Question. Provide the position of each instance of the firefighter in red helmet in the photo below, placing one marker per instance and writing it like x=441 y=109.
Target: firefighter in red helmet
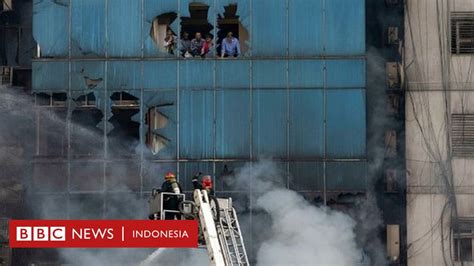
x=206 y=183
x=171 y=202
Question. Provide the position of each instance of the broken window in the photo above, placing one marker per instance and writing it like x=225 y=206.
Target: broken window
x=156 y=120
x=86 y=137
x=392 y=33
x=162 y=34
x=6 y=5
x=124 y=136
x=391 y=180
x=393 y=75
x=196 y=38
x=393 y=242
x=463 y=236
x=6 y=77
x=230 y=26
x=393 y=103
x=51 y=137
x=462 y=32
x=390 y=143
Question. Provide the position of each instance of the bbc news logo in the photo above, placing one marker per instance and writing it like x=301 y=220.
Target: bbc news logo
x=40 y=233
x=103 y=233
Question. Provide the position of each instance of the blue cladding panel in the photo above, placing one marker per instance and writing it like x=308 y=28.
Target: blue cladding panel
x=233 y=124
x=124 y=28
x=306 y=123
x=306 y=176
x=306 y=73
x=152 y=9
x=196 y=124
x=160 y=74
x=270 y=28
x=50 y=26
x=87 y=75
x=306 y=20
x=124 y=75
x=345 y=73
x=233 y=74
x=346 y=176
x=345 y=27
x=196 y=74
x=88 y=28
x=50 y=76
x=269 y=123
x=346 y=123
x=269 y=74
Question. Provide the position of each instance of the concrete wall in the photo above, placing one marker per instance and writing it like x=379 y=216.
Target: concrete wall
x=438 y=84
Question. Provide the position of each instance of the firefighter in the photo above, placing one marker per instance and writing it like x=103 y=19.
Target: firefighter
x=171 y=202
x=206 y=183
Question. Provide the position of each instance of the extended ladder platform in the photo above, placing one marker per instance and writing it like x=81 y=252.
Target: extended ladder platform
x=219 y=224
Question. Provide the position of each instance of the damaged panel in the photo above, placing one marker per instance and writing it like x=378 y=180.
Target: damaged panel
x=87 y=139
x=305 y=20
x=269 y=126
x=124 y=28
x=234 y=16
x=196 y=124
x=124 y=75
x=195 y=74
x=50 y=76
x=345 y=36
x=346 y=126
x=346 y=176
x=306 y=123
x=306 y=176
x=306 y=74
x=160 y=124
x=233 y=74
x=185 y=6
x=345 y=73
x=87 y=75
x=88 y=28
x=159 y=16
x=50 y=27
x=233 y=123
x=270 y=28
x=269 y=74
x=123 y=129
x=160 y=75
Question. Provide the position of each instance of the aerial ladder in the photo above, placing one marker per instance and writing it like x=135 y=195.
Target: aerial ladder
x=219 y=226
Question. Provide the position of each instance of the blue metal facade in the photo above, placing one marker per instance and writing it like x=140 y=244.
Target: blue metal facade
x=297 y=95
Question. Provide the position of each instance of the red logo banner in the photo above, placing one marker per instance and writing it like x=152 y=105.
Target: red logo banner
x=103 y=234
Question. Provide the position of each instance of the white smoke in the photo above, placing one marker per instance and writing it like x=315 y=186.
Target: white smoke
x=299 y=233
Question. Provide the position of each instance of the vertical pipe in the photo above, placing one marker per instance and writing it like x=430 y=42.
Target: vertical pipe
x=141 y=102
x=324 y=105
x=105 y=119
x=69 y=111
x=287 y=94
x=178 y=104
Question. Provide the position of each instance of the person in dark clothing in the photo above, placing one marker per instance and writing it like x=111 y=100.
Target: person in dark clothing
x=171 y=202
x=206 y=183
x=196 y=44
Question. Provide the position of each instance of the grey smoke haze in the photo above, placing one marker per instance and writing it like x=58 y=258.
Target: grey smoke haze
x=284 y=228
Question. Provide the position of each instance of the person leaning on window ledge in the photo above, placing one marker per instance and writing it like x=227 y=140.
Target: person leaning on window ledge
x=230 y=46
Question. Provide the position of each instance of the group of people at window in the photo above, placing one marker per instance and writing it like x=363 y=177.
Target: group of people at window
x=201 y=46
